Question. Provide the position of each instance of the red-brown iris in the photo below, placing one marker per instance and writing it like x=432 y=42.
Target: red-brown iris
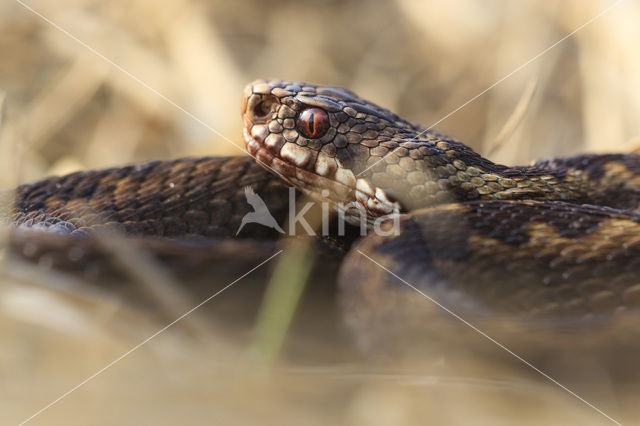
x=313 y=123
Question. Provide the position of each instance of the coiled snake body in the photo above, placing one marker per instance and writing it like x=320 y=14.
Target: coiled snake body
x=557 y=239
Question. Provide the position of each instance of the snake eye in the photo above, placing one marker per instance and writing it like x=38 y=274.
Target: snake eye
x=313 y=123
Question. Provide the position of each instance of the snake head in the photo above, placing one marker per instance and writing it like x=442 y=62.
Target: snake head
x=331 y=144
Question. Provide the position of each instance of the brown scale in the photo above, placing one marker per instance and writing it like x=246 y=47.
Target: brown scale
x=178 y=198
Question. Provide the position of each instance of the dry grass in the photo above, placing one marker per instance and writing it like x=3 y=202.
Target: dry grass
x=66 y=109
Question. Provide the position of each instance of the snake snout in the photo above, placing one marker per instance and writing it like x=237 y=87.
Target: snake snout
x=258 y=108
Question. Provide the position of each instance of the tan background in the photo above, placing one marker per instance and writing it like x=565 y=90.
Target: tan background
x=67 y=109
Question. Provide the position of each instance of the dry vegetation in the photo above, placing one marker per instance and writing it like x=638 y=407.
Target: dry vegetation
x=65 y=109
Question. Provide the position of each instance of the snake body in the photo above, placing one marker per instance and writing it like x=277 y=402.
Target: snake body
x=556 y=239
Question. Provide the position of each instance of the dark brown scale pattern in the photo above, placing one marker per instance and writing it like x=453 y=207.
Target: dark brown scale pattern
x=179 y=198
x=559 y=238
x=556 y=239
x=541 y=266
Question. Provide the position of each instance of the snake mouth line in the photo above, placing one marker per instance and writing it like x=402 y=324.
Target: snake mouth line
x=341 y=197
x=308 y=182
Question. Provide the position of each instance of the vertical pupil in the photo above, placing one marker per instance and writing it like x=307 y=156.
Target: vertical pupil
x=313 y=123
x=312 y=128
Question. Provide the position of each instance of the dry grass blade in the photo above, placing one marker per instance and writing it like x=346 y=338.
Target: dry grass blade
x=61 y=100
x=515 y=118
x=3 y=97
x=155 y=280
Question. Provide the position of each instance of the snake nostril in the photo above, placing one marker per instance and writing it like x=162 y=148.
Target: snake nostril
x=263 y=108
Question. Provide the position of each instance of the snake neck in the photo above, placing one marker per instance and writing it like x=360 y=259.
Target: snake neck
x=433 y=169
x=459 y=174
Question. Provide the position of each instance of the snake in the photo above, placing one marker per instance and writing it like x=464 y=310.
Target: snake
x=556 y=240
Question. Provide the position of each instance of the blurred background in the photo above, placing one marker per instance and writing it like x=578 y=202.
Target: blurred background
x=64 y=108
